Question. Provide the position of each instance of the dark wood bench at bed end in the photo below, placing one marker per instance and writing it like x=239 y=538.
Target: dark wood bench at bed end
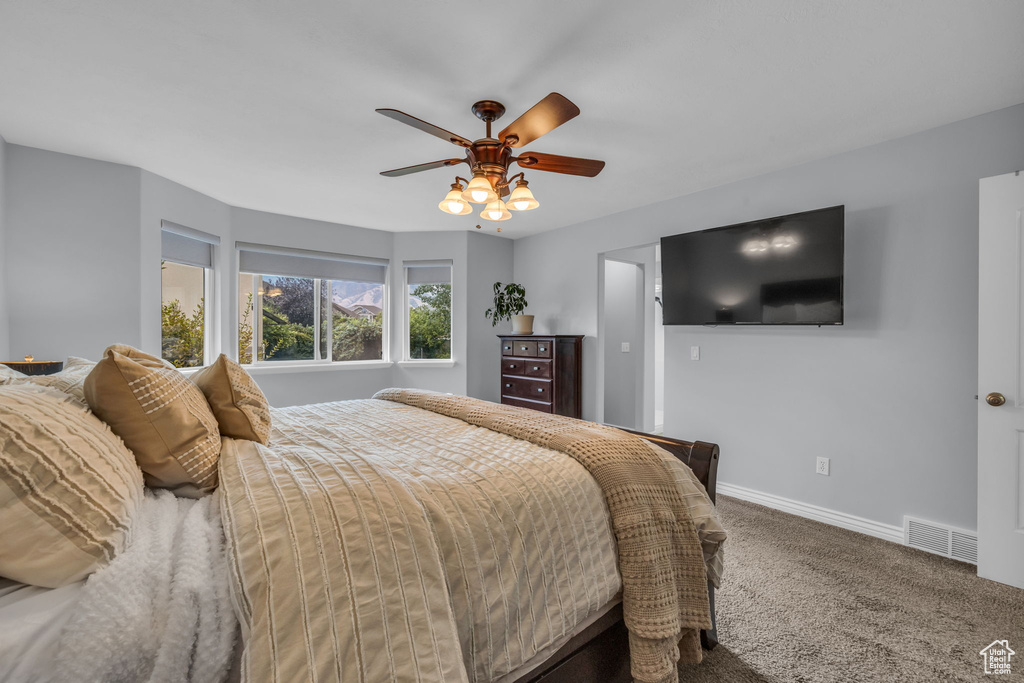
x=699 y=456
x=601 y=651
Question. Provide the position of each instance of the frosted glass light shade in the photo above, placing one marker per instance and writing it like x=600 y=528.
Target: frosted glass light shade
x=453 y=202
x=479 y=190
x=521 y=198
x=495 y=211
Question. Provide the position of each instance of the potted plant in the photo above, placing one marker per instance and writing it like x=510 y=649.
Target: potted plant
x=509 y=304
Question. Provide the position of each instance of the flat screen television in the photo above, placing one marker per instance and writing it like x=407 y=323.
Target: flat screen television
x=786 y=270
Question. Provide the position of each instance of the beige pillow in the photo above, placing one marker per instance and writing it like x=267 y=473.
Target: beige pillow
x=162 y=417
x=240 y=407
x=69 y=489
x=70 y=380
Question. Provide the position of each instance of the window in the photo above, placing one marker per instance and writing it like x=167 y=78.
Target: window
x=312 y=306
x=186 y=282
x=429 y=309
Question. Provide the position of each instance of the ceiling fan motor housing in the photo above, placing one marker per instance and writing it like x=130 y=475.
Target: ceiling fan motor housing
x=493 y=158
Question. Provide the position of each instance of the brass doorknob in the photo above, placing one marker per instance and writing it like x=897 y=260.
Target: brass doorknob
x=995 y=399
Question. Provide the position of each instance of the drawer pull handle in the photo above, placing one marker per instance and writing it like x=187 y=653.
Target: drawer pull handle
x=523 y=348
x=507 y=386
x=540 y=391
x=512 y=366
x=536 y=368
x=543 y=348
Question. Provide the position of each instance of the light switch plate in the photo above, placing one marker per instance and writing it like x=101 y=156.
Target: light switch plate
x=625 y=347
x=694 y=353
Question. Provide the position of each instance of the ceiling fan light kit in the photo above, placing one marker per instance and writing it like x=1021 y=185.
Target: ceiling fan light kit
x=496 y=211
x=479 y=190
x=490 y=158
x=521 y=198
x=453 y=202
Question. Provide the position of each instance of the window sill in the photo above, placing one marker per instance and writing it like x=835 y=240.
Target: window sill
x=298 y=366
x=440 y=363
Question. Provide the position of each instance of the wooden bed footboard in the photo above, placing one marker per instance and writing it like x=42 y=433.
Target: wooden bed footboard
x=601 y=652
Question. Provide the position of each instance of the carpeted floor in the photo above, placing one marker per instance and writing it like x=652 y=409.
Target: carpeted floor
x=808 y=602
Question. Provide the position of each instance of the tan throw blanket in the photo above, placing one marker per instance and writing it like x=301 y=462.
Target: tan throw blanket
x=664 y=580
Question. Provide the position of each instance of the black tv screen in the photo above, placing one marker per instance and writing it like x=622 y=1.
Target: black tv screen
x=786 y=270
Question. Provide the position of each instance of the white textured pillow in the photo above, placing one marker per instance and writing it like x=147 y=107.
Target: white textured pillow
x=10 y=375
x=70 y=380
x=69 y=488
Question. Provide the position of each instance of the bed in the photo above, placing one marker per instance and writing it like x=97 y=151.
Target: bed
x=412 y=536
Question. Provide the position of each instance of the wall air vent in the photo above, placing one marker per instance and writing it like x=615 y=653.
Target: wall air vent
x=932 y=537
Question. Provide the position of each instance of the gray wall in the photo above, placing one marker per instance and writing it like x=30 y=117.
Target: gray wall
x=890 y=395
x=80 y=247
x=490 y=261
x=72 y=254
x=4 y=315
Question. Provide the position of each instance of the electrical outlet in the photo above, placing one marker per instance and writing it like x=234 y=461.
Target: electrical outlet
x=821 y=466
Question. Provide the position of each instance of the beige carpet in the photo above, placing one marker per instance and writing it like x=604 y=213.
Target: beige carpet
x=804 y=601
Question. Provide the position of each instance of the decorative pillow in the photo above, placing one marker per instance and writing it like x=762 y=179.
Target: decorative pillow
x=240 y=407
x=69 y=489
x=162 y=417
x=10 y=376
x=70 y=380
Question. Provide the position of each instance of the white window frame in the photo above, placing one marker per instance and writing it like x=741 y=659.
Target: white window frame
x=210 y=307
x=316 y=362
x=407 y=359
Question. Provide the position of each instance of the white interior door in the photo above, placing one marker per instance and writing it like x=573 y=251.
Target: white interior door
x=1001 y=374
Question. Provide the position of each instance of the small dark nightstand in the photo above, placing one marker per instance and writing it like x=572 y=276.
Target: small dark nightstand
x=35 y=367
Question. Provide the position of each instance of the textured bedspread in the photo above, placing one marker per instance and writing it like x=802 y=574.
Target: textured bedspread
x=376 y=541
x=664 y=580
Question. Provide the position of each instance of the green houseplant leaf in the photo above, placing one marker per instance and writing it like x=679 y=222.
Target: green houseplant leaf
x=508 y=301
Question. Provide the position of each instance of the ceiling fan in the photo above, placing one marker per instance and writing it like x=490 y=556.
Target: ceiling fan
x=490 y=159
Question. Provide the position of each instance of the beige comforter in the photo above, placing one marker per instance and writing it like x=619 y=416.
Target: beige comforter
x=375 y=541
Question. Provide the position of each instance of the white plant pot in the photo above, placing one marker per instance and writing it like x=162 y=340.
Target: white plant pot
x=522 y=324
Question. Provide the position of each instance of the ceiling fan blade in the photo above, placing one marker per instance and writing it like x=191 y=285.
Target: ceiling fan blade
x=541 y=118
x=395 y=172
x=425 y=127
x=554 y=163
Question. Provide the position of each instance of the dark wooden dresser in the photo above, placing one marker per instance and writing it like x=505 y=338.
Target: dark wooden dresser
x=543 y=372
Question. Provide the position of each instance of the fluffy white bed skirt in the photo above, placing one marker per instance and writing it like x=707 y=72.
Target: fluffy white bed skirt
x=161 y=611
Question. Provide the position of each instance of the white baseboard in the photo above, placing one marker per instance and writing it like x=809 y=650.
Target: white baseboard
x=887 y=532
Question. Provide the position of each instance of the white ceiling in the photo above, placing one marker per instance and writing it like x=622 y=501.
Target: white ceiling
x=270 y=105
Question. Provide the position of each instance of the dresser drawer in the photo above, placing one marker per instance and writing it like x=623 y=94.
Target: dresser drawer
x=507 y=348
x=515 y=366
x=522 y=387
x=524 y=348
x=536 y=368
x=544 y=348
x=532 y=405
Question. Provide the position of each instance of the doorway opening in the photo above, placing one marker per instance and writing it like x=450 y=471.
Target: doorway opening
x=630 y=342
